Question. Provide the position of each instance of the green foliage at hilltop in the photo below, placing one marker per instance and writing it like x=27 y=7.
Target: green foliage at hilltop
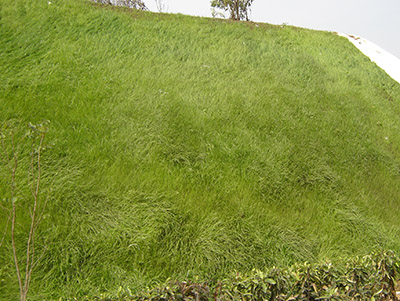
x=188 y=147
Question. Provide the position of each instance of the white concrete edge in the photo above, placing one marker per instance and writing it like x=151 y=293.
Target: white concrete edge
x=385 y=60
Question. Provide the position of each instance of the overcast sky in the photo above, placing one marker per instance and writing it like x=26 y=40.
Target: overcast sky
x=375 y=20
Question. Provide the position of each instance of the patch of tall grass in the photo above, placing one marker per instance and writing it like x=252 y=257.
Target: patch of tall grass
x=191 y=147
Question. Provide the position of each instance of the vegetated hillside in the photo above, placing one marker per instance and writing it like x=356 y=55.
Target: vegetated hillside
x=191 y=147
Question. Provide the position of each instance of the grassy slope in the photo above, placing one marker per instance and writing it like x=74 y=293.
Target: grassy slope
x=188 y=146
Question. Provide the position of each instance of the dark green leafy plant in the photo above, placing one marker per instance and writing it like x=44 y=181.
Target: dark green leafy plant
x=372 y=277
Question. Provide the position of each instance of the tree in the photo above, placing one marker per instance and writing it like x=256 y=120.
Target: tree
x=136 y=4
x=238 y=9
x=12 y=139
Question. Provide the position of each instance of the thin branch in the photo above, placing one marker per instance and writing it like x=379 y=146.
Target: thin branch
x=15 y=155
x=14 y=213
x=30 y=252
x=38 y=260
x=14 y=247
x=38 y=164
x=4 y=208
x=39 y=219
x=32 y=173
x=5 y=157
x=5 y=230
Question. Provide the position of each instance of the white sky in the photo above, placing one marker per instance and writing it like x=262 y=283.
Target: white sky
x=375 y=20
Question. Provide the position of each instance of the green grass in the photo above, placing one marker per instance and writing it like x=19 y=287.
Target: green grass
x=191 y=147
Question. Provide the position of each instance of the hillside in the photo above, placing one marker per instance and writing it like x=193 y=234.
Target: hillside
x=187 y=147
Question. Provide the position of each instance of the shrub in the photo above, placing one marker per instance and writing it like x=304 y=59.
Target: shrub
x=371 y=277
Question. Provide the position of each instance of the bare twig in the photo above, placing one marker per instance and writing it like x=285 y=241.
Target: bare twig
x=30 y=252
x=5 y=157
x=40 y=218
x=5 y=230
x=13 y=171
x=5 y=209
